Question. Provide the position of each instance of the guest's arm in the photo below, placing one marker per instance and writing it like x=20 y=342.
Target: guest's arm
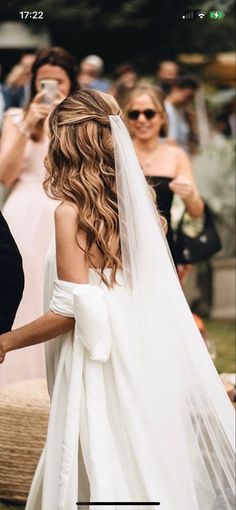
x=15 y=136
x=49 y=326
x=72 y=266
x=185 y=186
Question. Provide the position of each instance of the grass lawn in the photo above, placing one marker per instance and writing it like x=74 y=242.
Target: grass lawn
x=223 y=333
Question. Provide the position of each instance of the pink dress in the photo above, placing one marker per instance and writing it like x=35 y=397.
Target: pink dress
x=30 y=216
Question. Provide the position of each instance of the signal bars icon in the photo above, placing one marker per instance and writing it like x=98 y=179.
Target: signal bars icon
x=188 y=15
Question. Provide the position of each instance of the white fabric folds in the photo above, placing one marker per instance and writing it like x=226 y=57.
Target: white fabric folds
x=78 y=404
x=196 y=432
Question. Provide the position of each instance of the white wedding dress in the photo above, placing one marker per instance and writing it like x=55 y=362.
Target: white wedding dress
x=138 y=412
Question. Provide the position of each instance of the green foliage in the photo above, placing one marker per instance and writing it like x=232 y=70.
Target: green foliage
x=215 y=172
x=113 y=13
x=143 y=31
x=210 y=36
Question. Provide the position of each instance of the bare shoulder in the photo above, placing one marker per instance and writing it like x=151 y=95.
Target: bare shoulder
x=66 y=211
x=66 y=220
x=182 y=160
x=181 y=154
x=67 y=225
x=176 y=152
x=70 y=243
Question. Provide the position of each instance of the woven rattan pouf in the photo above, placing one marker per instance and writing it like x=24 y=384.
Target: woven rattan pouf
x=24 y=410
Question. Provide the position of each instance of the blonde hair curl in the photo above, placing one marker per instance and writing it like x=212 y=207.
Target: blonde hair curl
x=81 y=169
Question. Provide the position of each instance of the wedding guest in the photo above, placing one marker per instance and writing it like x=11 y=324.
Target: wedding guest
x=18 y=82
x=125 y=78
x=28 y=211
x=126 y=74
x=166 y=74
x=90 y=74
x=166 y=167
x=180 y=120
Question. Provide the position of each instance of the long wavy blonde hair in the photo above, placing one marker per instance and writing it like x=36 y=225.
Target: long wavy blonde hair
x=81 y=169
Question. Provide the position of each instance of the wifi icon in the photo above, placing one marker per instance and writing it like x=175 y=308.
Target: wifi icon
x=201 y=15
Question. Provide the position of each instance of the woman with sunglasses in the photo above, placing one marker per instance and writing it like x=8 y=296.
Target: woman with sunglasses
x=166 y=167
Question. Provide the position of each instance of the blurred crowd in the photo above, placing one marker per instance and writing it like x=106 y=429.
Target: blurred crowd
x=178 y=89
x=165 y=114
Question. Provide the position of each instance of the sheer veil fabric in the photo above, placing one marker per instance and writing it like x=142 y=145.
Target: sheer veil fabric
x=189 y=415
x=133 y=387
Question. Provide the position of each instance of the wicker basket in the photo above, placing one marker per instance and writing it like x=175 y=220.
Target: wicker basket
x=24 y=408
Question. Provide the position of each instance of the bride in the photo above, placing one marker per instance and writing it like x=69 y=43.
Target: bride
x=138 y=412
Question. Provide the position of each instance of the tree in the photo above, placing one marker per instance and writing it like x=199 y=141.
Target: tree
x=143 y=31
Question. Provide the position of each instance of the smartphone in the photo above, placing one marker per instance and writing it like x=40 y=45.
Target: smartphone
x=50 y=87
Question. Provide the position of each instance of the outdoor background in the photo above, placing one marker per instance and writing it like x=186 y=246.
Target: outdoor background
x=141 y=31
x=145 y=32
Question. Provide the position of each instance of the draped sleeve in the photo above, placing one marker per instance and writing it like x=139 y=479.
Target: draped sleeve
x=87 y=305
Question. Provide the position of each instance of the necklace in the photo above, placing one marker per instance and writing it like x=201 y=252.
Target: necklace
x=146 y=159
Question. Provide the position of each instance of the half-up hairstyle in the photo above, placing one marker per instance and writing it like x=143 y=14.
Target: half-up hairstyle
x=81 y=169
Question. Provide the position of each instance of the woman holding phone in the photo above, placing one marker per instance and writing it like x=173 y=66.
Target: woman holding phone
x=28 y=211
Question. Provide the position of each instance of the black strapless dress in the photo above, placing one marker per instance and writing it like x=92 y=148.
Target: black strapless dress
x=164 y=199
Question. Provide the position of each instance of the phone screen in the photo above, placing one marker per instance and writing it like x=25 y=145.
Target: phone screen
x=50 y=87
x=171 y=68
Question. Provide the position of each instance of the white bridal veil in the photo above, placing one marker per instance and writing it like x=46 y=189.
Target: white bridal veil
x=187 y=411
x=134 y=393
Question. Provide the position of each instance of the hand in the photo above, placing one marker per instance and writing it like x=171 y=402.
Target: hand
x=60 y=97
x=37 y=112
x=3 y=345
x=182 y=187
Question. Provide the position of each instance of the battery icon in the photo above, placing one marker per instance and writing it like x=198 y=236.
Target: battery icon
x=216 y=15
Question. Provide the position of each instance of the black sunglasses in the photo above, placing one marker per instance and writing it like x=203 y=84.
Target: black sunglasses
x=134 y=114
